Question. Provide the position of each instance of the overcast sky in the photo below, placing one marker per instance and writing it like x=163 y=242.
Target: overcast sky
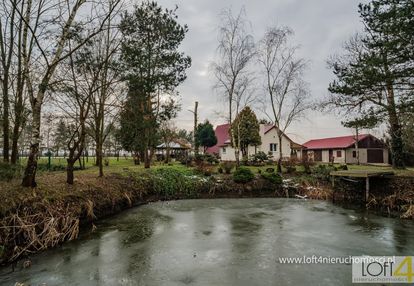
x=320 y=26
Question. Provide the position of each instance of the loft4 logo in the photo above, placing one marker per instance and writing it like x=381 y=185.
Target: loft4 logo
x=405 y=269
x=382 y=269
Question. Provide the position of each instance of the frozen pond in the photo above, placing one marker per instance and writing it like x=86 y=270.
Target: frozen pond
x=219 y=242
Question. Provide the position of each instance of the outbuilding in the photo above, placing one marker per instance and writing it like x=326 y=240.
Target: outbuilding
x=366 y=149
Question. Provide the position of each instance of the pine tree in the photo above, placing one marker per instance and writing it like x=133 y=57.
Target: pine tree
x=375 y=76
x=153 y=67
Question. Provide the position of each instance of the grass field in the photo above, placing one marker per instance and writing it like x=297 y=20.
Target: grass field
x=118 y=165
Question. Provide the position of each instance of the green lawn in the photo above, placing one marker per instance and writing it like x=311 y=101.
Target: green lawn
x=118 y=165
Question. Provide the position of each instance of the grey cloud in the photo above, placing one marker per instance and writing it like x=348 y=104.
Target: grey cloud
x=321 y=27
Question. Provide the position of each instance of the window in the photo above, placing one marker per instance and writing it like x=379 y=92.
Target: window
x=354 y=154
x=224 y=150
x=339 y=154
x=273 y=147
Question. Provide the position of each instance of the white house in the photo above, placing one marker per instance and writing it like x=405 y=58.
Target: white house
x=270 y=144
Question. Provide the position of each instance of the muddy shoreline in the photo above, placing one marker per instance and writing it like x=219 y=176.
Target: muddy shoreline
x=37 y=224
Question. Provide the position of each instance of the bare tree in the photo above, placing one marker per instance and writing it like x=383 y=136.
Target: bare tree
x=8 y=36
x=105 y=101
x=60 y=24
x=286 y=90
x=236 y=50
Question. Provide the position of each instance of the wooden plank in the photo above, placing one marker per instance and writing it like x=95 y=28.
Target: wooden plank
x=361 y=173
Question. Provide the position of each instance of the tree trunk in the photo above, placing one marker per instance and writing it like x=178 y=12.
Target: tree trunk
x=279 y=161
x=167 y=156
x=99 y=157
x=15 y=141
x=356 y=145
x=69 y=172
x=147 y=159
x=29 y=178
x=397 y=147
x=137 y=157
x=6 y=123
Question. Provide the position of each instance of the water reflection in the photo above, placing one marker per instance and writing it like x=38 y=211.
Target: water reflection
x=219 y=242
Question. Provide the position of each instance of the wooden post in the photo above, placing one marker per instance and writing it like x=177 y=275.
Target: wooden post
x=195 y=112
x=367 y=189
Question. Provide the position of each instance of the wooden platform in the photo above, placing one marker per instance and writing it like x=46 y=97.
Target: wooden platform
x=361 y=173
x=365 y=174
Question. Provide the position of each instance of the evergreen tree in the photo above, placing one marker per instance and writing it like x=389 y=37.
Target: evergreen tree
x=153 y=67
x=245 y=128
x=205 y=135
x=375 y=76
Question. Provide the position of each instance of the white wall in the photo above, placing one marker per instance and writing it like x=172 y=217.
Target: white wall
x=267 y=139
x=272 y=137
x=363 y=156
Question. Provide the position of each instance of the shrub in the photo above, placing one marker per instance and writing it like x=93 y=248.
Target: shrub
x=307 y=164
x=170 y=182
x=208 y=158
x=204 y=169
x=9 y=172
x=323 y=172
x=227 y=166
x=220 y=170
x=243 y=175
x=273 y=178
x=259 y=158
x=343 y=167
x=290 y=165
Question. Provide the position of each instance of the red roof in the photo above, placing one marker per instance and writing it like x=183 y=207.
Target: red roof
x=334 y=142
x=222 y=134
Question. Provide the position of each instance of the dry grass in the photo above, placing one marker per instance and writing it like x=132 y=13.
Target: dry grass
x=32 y=220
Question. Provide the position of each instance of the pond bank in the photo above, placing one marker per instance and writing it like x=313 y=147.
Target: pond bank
x=218 y=242
x=34 y=220
x=392 y=196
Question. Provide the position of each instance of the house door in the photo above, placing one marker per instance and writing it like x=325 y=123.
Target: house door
x=330 y=155
x=375 y=156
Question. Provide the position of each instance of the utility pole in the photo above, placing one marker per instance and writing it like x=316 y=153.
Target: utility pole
x=195 y=126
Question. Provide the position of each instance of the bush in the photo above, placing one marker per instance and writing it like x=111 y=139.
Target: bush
x=243 y=175
x=323 y=172
x=343 y=167
x=208 y=158
x=290 y=165
x=259 y=158
x=227 y=166
x=273 y=178
x=220 y=170
x=9 y=172
x=169 y=182
x=204 y=169
x=307 y=164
